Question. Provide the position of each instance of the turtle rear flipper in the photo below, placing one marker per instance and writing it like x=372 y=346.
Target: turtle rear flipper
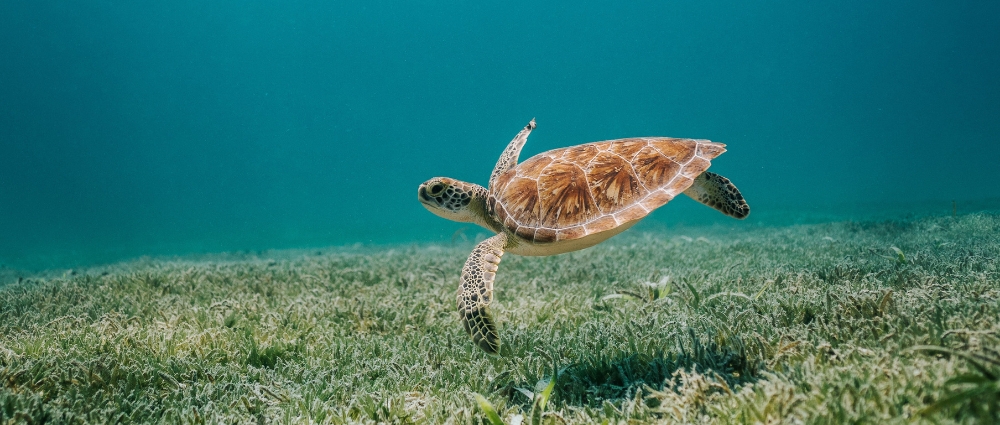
x=718 y=192
x=476 y=293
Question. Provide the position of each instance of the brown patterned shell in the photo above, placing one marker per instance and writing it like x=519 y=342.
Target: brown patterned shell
x=569 y=193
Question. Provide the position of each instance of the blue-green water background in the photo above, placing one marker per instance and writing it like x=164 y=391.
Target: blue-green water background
x=150 y=128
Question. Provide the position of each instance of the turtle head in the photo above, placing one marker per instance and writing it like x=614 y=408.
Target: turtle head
x=450 y=198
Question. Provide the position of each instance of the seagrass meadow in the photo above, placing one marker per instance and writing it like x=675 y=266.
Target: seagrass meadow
x=851 y=322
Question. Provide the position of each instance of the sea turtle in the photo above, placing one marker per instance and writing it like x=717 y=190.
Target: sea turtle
x=568 y=199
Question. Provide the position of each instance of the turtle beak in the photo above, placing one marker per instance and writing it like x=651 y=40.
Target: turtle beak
x=422 y=194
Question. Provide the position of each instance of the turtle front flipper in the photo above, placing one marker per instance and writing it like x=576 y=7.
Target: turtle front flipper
x=508 y=159
x=476 y=293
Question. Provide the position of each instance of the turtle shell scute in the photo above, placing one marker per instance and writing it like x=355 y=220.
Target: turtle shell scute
x=573 y=192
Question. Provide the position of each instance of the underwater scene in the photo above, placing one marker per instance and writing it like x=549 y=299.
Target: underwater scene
x=484 y=213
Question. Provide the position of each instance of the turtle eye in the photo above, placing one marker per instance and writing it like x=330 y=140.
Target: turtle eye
x=436 y=189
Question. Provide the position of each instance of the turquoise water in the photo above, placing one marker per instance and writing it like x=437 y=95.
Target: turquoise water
x=131 y=129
